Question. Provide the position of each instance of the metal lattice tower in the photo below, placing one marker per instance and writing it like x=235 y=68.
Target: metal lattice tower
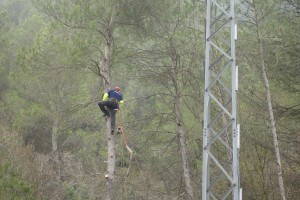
x=220 y=178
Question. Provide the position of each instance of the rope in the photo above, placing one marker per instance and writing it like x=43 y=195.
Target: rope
x=120 y=128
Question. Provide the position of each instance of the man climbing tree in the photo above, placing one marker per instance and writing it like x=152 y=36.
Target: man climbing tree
x=110 y=104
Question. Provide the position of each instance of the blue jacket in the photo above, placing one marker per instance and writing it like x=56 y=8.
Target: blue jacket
x=113 y=94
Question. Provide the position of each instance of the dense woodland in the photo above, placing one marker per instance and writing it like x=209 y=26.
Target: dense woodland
x=57 y=57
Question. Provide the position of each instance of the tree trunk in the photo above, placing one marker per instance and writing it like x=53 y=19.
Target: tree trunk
x=183 y=149
x=270 y=107
x=54 y=133
x=272 y=124
x=56 y=162
x=180 y=129
x=111 y=140
x=111 y=161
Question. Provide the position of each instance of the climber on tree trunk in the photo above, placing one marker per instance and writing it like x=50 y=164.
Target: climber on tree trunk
x=110 y=104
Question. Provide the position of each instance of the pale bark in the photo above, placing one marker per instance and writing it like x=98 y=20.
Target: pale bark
x=183 y=149
x=111 y=159
x=111 y=140
x=272 y=125
x=56 y=162
x=180 y=129
x=54 y=134
x=111 y=162
x=270 y=107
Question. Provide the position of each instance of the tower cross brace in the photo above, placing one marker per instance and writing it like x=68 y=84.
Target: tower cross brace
x=220 y=170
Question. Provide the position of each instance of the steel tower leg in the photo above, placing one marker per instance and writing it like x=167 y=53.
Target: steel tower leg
x=220 y=172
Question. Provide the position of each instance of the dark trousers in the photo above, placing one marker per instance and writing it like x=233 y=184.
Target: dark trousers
x=109 y=109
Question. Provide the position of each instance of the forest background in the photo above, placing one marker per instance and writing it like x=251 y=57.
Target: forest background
x=51 y=79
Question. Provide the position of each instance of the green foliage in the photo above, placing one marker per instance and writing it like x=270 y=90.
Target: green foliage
x=12 y=186
x=25 y=111
x=70 y=191
x=48 y=70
